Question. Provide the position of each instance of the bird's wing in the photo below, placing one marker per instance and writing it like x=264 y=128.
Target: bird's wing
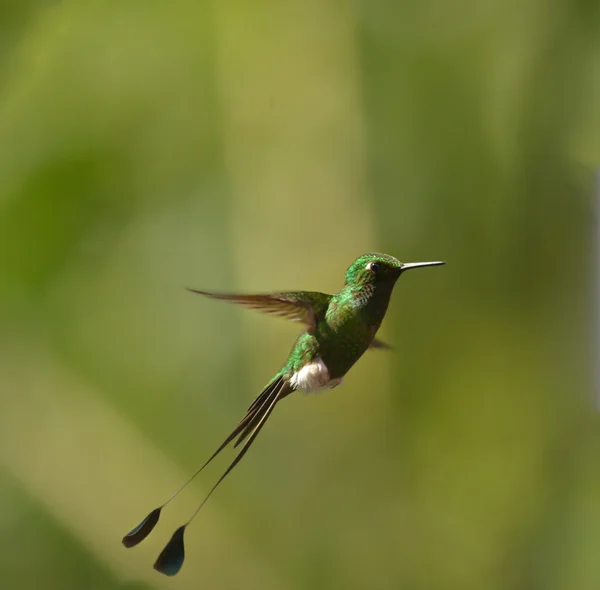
x=375 y=343
x=298 y=306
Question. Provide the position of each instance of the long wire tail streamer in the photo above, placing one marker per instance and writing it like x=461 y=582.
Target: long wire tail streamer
x=171 y=558
x=245 y=426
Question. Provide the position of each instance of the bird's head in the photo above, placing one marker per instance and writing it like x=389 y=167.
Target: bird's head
x=379 y=270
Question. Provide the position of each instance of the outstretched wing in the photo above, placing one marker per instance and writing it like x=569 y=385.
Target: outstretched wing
x=299 y=306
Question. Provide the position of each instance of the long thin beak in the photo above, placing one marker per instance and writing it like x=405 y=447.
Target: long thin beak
x=409 y=265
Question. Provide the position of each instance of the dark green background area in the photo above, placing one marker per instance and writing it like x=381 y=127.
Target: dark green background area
x=149 y=146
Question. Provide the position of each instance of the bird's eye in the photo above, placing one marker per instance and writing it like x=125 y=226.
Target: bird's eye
x=374 y=267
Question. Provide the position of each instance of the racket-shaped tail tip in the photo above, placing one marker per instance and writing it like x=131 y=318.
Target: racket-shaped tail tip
x=170 y=560
x=142 y=530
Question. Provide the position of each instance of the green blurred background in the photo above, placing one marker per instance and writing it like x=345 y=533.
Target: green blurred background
x=147 y=146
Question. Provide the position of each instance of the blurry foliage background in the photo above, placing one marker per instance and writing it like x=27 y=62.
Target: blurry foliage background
x=147 y=146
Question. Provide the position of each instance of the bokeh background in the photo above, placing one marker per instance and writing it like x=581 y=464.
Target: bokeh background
x=148 y=146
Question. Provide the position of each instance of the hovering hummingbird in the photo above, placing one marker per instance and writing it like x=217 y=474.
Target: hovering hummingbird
x=338 y=329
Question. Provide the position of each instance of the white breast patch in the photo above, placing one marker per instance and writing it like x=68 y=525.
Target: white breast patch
x=313 y=377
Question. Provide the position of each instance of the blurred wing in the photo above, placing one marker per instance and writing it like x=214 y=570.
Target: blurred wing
x=298 y=306
x=379 y=344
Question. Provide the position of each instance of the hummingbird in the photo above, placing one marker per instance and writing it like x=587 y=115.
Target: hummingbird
x=338 y=330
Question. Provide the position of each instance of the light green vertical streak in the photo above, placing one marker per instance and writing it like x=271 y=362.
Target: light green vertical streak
x=294 y=146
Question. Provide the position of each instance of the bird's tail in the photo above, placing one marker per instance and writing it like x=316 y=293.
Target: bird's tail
x=171 y=559
x=279 y=388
